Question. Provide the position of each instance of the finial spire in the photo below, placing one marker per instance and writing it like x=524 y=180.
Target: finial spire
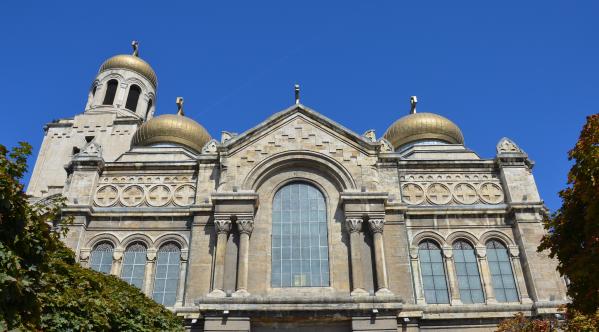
x=135 y=45
x=413 y=102
x=297 y=94
x=180 y=106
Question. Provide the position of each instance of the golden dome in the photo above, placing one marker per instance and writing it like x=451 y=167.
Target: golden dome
x=171 y=128
x=423 y=126
x=131 y=62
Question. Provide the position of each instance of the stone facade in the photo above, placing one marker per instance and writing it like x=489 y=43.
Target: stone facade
x=216 y=206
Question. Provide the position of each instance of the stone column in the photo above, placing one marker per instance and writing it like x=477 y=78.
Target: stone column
x=149 y=276
x=416 y=275
x=354 y=226
x=182 y=278
x=376 y=227
x=117 y=261
x=84 y=257
x=454 y=289
x=245 y=227
x=485 y=272
x=222 y=227
x=514 y=252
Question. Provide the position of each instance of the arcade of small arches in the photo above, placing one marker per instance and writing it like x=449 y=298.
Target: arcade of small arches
x=463 y=269
x=157 y=267
x=105 y=92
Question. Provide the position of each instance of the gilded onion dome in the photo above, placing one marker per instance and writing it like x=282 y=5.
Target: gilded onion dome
x=423 y=127
x=131 y=62
x=172 y=128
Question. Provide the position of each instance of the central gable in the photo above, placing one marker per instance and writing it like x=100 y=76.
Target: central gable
x=298 y=129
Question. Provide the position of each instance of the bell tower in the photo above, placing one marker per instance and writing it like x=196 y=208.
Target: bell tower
x=121 y=97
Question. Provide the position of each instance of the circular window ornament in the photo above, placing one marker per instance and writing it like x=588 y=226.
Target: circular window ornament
x=159 y=195
x=412 y=193
x=491 y=193
x=184 y=195
x=132 y=196
x=465 y=193
x=106 y=195
x=438 y=193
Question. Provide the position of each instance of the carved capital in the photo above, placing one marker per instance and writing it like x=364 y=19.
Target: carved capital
x=447 y=252
x=481 y=251
x=413 y=252
x=223 y=226
x=117 y=255
x=376 y=225
x=245 y=226
x=514 y=251
x=354 y=225
x=184 y=255
x=151 y=255
x=84 y=255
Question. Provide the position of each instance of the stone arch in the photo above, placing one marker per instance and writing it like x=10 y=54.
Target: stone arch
x=496 y=235
x=171 y=237
x=326 y=165
x=134 y=80
x=462 y=235
x=137 y=238
x=429 y=235
x=103 y=237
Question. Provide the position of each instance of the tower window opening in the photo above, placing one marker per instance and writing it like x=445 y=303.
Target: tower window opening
x=75 y=150
x=89 y=138
x=94 y=90
x=150 y=103
x=111 y=87
x=133 y=98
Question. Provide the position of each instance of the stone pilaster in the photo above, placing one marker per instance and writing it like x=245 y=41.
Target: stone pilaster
x=149 y=275
x=182 y=278
x=245 y=227
x=117 y=262
x=222 y=227
x=354 y=227
x=416 y=275
x=485 y=273
x=454 y=289
x=376 y=227
x=514 y=253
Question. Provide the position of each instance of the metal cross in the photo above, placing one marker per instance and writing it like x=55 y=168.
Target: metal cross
x=180 y=106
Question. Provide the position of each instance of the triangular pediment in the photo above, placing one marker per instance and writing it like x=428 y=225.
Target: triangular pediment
x=297 y=128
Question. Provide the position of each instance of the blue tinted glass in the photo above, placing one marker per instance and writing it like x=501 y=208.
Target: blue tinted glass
x=101 y=258
x=166 y=279
x=433 y=273
x=300 y=228
x=134 y=265
x=501 y=273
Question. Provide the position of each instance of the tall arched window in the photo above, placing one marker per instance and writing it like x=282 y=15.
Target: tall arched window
x=101 y=257
x=466 y=267
x=111 y=87
x=133 y=98
x=150 y=103
x=300 y=256
x=501 y=272
x=433 y=272
x=134 y=264
x=166 y=278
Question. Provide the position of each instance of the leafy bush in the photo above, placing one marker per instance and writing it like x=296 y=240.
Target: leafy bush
x=41 y=285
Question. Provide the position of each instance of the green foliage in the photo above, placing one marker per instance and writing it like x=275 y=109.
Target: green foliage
x=574 y=322
x=573 y=231
x=41 y=286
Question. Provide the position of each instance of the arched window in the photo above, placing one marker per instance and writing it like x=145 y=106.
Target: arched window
x=501 y=272
x=111 y=87
x=150 y=103
x=133 y=98
x=466 y=267
x=101 y=257
x=300 y=256
x=166 y=278
x=433 y=272
x=134 y=264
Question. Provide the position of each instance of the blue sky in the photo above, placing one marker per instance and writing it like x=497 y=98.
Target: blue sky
x=527 y=70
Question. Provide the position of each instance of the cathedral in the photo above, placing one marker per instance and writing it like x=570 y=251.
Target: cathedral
x=298 y=223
